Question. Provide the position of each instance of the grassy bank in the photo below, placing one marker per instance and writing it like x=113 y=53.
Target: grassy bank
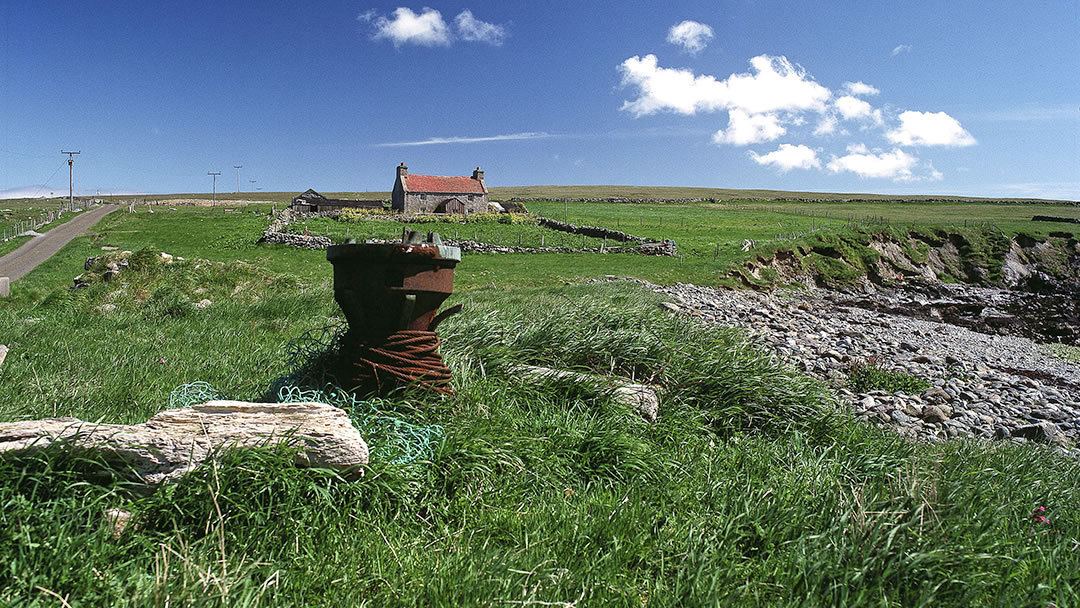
x=752 y=489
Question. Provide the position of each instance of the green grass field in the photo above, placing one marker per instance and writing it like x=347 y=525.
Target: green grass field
x=752 y=489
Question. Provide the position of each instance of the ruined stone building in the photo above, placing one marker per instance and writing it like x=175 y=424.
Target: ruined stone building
x=312 y=201
x=439 y=193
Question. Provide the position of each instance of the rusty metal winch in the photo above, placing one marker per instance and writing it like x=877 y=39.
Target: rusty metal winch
x=390 y=294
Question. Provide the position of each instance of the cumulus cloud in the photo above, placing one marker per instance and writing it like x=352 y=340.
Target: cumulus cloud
x=896 y=164
x=690 y=35
x=788 y=157
x=744 y=129
x=774 y=85
x=777 y=98
x=425 y=28
x=900 y=48
x=929 y=129
x=472 y=29
x=852 y=108
x=428 y=28
x=860 y=88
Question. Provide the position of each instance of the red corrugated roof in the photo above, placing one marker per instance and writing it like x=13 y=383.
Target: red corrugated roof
x=443 y=184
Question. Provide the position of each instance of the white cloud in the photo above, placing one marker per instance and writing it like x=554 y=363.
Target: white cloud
x=1069 y=191
x=406 y=27
x=929 y=129
x=827 y=125
x=690 y=35
x=466 y=140
x=47 y=191
x=852 y=108
x=788 y=157
x=896 y=165
x=744 y=129
x=901 y=48
x=472 y=29
x=775 y=85
x=777 y=98
x=860 y=88
x=34 y=191
x=1029 y=113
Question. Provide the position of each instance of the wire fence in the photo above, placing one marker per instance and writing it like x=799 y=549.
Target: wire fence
x=22 y=227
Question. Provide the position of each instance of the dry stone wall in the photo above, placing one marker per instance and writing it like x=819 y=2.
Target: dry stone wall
x=275 y=233
x=594 y=231
x=793 y=199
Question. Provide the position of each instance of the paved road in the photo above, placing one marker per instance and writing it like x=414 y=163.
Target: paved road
x=40 y=248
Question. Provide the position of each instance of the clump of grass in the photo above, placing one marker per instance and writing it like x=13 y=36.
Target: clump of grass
x=1066 y=352
x=864 y=376
x=620 y=330
x=167 y=301
x=143 y=260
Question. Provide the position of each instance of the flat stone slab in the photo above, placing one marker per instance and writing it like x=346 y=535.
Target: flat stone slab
x=177 y=441
x=642 y=397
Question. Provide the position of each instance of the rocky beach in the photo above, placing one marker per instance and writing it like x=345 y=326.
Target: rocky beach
x=981 y=351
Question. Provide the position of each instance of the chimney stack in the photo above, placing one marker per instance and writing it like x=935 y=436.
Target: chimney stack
x=478 y=174
x=402 y=170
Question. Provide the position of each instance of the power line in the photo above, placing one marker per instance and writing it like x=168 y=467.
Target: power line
x=46 y=184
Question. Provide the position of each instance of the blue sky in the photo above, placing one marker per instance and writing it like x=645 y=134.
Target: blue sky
x=966 y=98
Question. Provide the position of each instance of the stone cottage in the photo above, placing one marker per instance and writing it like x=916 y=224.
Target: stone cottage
x=439 y=193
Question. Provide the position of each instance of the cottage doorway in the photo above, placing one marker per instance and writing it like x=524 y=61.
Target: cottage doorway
x=451 y=205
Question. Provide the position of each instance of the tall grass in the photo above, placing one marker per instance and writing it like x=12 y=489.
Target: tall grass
x=751 y=489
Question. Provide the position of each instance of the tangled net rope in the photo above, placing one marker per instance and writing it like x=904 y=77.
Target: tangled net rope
x=188 y=395
x=407 y=356
x=310 y=357
x=397 y=441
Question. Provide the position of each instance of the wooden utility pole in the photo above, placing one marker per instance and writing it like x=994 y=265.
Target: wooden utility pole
x=214 y=174
x=71 y=178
